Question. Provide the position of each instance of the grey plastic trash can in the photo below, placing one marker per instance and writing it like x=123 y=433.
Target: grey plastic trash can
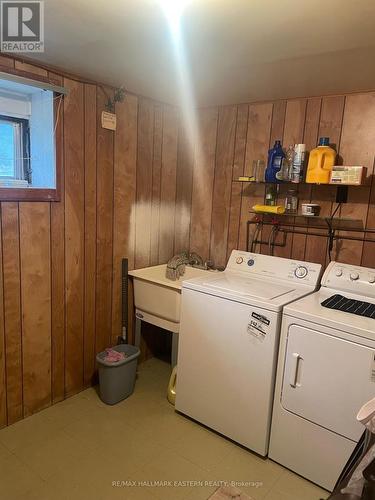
x=116 y=380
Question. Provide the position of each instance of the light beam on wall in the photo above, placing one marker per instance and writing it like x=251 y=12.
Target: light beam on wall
x=173 y=11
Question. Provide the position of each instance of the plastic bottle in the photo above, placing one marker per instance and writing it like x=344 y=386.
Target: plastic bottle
x=283 y=174
x=275 y=158
x=321 y=161
x=289 y=155
x=298 y=163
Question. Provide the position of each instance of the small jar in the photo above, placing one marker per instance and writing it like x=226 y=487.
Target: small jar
x=291 y=202
x=271 y=195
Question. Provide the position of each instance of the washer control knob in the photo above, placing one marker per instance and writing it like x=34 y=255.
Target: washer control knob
x=301 y=272
x=239 y=260
x=371 y=278
x=354 y=276
x=339 y=272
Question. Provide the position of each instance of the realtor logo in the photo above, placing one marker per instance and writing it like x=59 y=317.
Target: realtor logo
x=22 y=26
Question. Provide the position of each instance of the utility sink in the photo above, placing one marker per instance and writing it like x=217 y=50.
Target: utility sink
x=157 y=299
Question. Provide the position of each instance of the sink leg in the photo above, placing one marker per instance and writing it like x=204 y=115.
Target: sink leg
x=174 y=349
x=138 y=327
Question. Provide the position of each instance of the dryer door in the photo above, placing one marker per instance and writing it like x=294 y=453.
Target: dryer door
x=327 y=380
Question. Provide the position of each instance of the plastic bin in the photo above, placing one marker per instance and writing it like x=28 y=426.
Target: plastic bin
x=116 y=380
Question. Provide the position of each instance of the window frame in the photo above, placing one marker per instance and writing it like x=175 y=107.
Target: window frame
x=40 y=194
x=22 y=167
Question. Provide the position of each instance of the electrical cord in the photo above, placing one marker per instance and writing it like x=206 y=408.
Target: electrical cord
x=255 y=236
x=272 y=238
x=331 y=232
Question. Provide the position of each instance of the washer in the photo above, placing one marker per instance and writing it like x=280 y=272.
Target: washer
x=229 y=335
x=326 y=372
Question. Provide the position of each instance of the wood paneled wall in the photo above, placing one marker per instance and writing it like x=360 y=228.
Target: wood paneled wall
x=141 y=193
x=60 y=262
x=233 y=136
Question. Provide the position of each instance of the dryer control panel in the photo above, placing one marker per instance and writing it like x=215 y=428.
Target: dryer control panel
x=345 y=277
x=275 y=267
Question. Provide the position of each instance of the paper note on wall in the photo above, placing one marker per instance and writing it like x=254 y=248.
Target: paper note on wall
x=108 y=120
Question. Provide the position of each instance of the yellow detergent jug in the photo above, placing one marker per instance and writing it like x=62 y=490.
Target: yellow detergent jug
x=321 y=161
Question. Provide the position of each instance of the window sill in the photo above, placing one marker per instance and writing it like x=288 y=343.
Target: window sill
x=29 y=194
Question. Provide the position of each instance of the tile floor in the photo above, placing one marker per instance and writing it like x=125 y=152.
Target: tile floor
x=82 y=449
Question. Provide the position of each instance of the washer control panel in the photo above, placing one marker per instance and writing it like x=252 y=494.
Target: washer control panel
x=301 y=272
x=356 y=279
x=277 y=267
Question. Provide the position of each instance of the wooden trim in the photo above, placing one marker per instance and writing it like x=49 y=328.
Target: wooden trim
x=27 y=74
x=29 y=194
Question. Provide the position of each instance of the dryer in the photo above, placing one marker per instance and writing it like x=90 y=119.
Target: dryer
x=229 y=337
x=326 y=372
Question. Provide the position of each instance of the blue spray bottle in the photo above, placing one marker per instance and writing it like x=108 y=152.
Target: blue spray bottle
x=275 y=160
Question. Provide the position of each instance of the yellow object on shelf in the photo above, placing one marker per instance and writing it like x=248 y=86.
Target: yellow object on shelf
x=321 y=161
x=246 y=179
x=269 y=209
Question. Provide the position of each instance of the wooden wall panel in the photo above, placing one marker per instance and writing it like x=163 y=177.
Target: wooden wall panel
x=58 y=268
x=144 y=182
x=222 y=184
x=12 y=310
x=156 y=184
x=104 y=220
x=330 y=122
x=168 y=184
x=203 y=179
x=295 y=114
x=3 y=393
x=349 y=123
x=368 y=255
x=258 y=138
x=74 y=234
x=89 y=323
x=357 y=147
x=310 y=138
x=69 y=252
x=124 y=199
x=278 y=122
x=30 y=68
x=6 y=62
x=277 y=132
x=238 y=170
x=184 y=186
x=36 y=305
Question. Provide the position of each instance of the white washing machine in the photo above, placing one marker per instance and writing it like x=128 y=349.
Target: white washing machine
x=229 y=337
x=326 y=372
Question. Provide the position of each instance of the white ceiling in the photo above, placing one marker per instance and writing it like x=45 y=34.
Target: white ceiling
x=237 y=50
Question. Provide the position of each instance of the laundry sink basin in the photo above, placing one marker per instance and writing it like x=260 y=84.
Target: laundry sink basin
x=157 y=299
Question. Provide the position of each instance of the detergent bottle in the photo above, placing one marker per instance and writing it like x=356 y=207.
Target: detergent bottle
x=275 y=159
x=321 y=161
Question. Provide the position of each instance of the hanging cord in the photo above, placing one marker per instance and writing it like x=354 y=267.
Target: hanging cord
x=255 y=236
x=272 y=238
x=336 y=210
x=57 y=115
x=331 y=231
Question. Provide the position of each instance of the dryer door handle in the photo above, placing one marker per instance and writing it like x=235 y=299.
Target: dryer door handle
x=294 y=369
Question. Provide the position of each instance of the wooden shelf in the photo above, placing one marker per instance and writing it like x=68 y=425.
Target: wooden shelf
x=296 y=184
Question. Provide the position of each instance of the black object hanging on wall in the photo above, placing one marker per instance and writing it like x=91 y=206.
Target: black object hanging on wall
x=124 y=302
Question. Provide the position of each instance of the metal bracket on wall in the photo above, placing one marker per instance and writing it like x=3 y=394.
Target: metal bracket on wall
x=324 y=227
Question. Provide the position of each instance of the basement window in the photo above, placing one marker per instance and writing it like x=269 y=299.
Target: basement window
x=27 y=141
x=15 y=151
